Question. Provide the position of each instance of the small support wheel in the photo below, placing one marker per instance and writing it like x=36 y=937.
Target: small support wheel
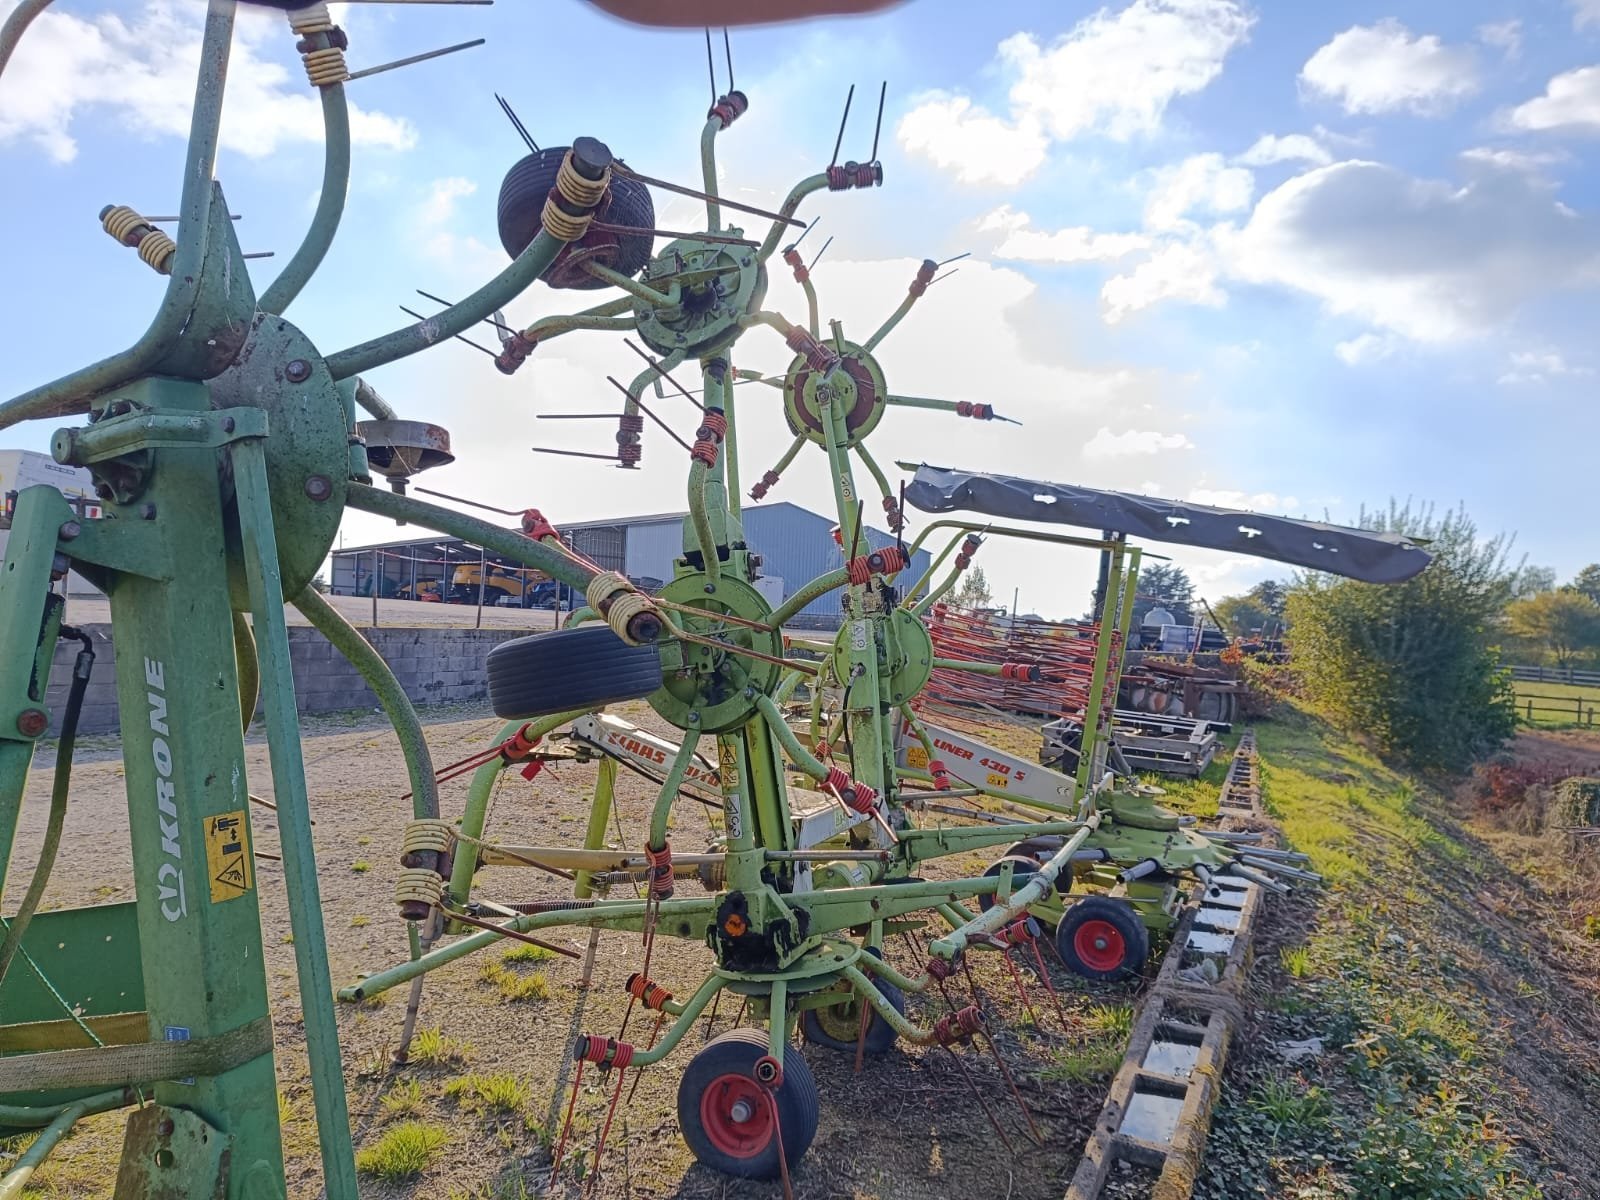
x=838 y=1026
x=1101 y=938
x=726 y=1115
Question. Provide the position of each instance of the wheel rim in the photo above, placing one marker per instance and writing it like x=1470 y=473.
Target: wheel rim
x=841 y=1022
x=736 y=1117
x=1100 y=945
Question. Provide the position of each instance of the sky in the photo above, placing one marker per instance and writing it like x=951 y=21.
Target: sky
x=1293 y=258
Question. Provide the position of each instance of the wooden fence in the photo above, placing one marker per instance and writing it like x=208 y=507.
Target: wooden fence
x=1571 y=675
x=1557 y=710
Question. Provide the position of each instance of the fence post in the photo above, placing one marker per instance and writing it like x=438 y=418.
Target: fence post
x=377 y=586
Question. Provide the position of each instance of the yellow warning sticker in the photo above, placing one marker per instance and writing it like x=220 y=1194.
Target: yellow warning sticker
x=228 y=856
x=727 y=763
x=916 y=757
x=997 y=781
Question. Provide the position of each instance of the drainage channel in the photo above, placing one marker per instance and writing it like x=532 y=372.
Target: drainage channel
x=1158 y=1109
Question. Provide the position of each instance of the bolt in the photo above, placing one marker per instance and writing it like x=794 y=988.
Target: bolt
x=227 y=425
x=741 y=1111
x=69 y=530
x=31 y=722
x=319 y=487
x=147 y=512
x=694 y=718
x=165 y=1129
x=298 y=370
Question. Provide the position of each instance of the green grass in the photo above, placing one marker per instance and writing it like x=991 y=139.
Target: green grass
x=1556 y=705
x=523 y=952
x=432 y=1048
x=1085 y=1064
x=513 y=987
x=361 y=866
x=1296 y=961
x=404 y=1099
x=403 y=1152
x=499 y=1093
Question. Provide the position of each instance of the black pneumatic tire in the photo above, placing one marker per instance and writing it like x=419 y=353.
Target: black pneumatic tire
x=839 y=1025
x=522 y=197
x=568 y=669
x=718 y=1075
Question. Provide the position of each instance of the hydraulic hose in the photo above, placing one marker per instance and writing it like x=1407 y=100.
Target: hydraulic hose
x=81 y=670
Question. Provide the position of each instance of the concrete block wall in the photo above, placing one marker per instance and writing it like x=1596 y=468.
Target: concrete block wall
x=434 y=666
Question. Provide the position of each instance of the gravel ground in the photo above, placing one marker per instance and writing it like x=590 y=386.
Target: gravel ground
x=906 y=1126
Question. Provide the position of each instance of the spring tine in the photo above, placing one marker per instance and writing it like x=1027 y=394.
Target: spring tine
x=795 y=245
x=844 y=120
x=623 y=169
x=415 y=58
x=411 y=312
x=957 y=258
x=516 y=124
x=984 y=1104
x=660 y=374
x=820 y=253
x=573 y=453
x=612 y=380
x=727 y=48
x=877 y=127
x=498 y=324
x=509 y=512
x=711 y=70
x=1012 y=1084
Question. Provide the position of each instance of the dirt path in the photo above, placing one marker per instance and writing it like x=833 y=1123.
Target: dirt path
x=907 y=1126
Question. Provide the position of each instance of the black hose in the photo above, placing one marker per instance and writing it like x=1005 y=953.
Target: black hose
x=81 y=670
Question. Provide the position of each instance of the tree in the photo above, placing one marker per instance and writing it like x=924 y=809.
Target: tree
x=1587 y=581
x=1257 y=611
x=1530 y=581
x=1561 y=624
x=974 y=590
x=1168 y=586
x=1413 y=666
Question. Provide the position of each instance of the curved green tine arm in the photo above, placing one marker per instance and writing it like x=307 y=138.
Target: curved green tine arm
x=802 y=758
x=528 y=266
x=16 y=25
x=708 y=172
x=330 y=622
x=820 y=586
x=15 y=1183
x=804 y=188
x=632 y=286
x=689 y=1013
x=330 y=204
x=875 y=471
x=669 y=790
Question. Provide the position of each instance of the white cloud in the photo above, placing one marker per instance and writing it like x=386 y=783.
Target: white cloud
x=1183 y=271
x=1540 y=366
x=1293 y=147
x=1114 y=74
x=1074 y=244
x=1503 y=35
x=440 y=206
x=1571 y=101
x=1200 y=183
x=1424 y=258
x=1585 y=13
x=951 y=132
x=142 y=69
x=1385 y=67
x=1250 y=502
x=1105 y=444
x=1500 y=159
x=1364 y=349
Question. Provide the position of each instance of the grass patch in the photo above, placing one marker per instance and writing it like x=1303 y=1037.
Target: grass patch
x=1110 y=1020
x=1557 y=705
x=361 y=866
x=404 y=1099
x=499 y=1093
x=403 y=1152
x=433 y=1048
x=1296 y=961
x=360 y=922
x=1085 y=1064
x=515 y=988
x=524 y=952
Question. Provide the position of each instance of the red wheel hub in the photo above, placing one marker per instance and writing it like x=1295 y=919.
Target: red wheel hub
x=1100 y=945
x=736 y=1115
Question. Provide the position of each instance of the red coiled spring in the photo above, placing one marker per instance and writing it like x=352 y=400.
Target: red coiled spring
x=514 y=352
x=978 y=412
x=939 y=970
x=940 y=773
x=729 y=108
x=630 y=429
x=1022 y=672
x=767 y=483
x=518 y=746
x=818 y=357
x=892 y=516
x=958 y=1026
x=708 y=438
x=855 y=794
x=881 y=562
x=968 y=549
x=854 y=175
x=648 y=992
x=925 y=274
x=535 y=525
x=1020 y=932
x=792 y=257
x=658 y=870
x=608 y=1052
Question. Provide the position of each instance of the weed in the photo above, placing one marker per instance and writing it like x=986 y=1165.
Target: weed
x=359 y=922
x=502 y=1092
x=403 y=1151
x=1084 y=1064
x=525 y=952
x=361 y=866
x=1296 y=960
x=286 y=1112
x=515 y=988
x=363 y=840
x=432 y=1048
x=1290 y=1105
x=404 y=1099
x=1110 y=1020
x=1591 y=926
